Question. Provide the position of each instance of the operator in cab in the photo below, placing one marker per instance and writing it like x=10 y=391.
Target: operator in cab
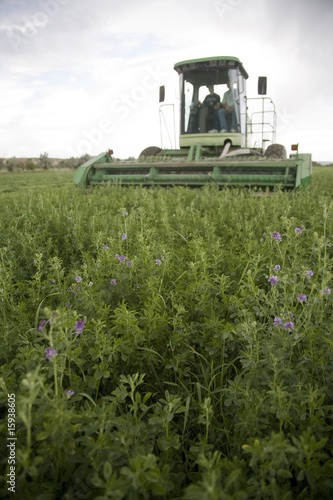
x=209 y=108
x=227 y=111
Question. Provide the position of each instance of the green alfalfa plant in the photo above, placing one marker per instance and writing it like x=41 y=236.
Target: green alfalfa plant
x=219 y=330
x=127 y=388
x=32 y=386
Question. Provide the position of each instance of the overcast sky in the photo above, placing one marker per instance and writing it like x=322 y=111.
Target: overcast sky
x=81 y=76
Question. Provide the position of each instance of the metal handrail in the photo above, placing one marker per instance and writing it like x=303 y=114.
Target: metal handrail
x=263 y=123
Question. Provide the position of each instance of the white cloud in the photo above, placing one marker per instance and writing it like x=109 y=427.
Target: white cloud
x=88 y=62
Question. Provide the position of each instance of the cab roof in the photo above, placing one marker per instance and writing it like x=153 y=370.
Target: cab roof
x=210 y=63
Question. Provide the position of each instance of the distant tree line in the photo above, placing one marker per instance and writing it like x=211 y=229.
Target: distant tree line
x=14 y=164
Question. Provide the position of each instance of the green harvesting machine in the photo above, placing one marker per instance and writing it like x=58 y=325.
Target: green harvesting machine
x=216 y=138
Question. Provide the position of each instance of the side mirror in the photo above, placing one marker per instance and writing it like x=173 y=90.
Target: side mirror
x=262 y=85
x=162 y=93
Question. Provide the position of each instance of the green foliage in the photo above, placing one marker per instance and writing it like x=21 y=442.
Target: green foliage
x=30 y=165
x=163 y=363
x=74 y=162
x=14 y=164
x=44 y=161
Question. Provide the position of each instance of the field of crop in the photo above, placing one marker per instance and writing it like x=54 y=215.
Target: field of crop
x=165 y=343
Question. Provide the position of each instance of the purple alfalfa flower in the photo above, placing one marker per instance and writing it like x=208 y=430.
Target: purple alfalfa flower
x=158 y=262
x=41 y=324
x=50 y=353
x=289 y=315
x=113 y=282
x=309 y=273
x=105 y=247
x=117 y=256
x=277 y=321
x=302 y=298
x=79 y=327
x=122 y=258
x=90 y=283
x=69 y=393
x=298 y=230
x=125 y=213
x=326 y=291
x=123 y=236
x=128 y=263
x=273 y=280
x=277 y=236
x=78 y=279
x=277 y=268
x=289 y=326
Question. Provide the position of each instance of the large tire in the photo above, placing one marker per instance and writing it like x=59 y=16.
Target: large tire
x=276 y=151
x=151 y=151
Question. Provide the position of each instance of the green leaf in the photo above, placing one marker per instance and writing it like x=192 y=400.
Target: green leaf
x=43 y=435
x=107 y=470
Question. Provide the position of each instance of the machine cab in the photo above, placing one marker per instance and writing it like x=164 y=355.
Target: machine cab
x=204 y=120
